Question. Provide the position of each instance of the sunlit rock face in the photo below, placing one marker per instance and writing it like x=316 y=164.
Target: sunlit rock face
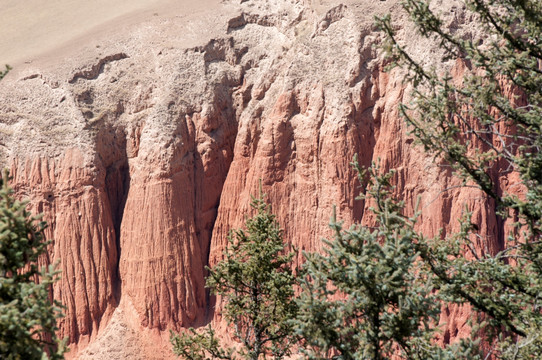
x=141 y=144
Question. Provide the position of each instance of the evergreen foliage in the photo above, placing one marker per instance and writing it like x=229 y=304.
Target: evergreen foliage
x=27 y=315
x=5 y=72
x=358 y=300
x=255 y=282
x=488 y=126
x=368 y=296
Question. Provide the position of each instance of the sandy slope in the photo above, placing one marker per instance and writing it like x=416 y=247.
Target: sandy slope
x=31 y=28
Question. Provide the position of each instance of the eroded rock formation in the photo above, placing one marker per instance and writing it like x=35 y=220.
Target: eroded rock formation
x=142 y=152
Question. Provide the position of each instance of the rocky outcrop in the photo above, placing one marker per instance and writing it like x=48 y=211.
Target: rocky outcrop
x=75 y=204
x=143 y=153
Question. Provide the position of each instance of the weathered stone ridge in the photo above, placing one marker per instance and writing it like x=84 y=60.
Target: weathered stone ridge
x=143 y=153
x=75 y=204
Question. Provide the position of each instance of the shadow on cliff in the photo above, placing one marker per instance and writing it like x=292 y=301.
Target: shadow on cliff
x=111 y=151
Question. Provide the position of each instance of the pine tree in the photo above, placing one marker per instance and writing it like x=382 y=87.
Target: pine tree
x=255 y=282
x=368 y=296
x=491 y=120
x=27 y=315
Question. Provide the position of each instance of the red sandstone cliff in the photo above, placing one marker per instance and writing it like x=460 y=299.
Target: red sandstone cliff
x=142 y=154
